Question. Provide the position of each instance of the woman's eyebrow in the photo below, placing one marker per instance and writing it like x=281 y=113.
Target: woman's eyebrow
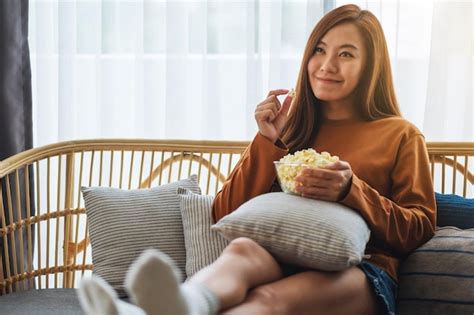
x=348 y=46
x=342 y=46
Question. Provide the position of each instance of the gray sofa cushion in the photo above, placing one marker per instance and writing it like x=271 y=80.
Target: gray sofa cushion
x=39 y=302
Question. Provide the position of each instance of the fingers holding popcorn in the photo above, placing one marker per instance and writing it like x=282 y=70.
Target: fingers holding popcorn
x=265 y=115
x=277 y=92
x=271 y=103
x=271 y=115
x=273 y=99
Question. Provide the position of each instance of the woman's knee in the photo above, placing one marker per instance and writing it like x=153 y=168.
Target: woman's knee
x=245 y=247
x=259 y=264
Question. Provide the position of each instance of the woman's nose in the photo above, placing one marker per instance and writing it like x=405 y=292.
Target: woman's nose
x=329 y=64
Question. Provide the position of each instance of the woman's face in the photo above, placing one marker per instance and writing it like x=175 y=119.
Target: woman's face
x=336 y=67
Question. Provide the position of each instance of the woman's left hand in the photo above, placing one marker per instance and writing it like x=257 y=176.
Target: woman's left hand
x=331 y=183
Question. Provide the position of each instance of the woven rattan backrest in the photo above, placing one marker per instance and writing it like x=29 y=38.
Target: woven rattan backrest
x=55 y=238
x=50 y=248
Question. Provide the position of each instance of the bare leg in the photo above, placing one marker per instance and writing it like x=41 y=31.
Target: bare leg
x=242 y=266
x=310 y=293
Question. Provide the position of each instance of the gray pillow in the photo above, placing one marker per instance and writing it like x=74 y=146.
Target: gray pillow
x=438 y=277
x=300 y=231
x=203 y=246
x=123 y=223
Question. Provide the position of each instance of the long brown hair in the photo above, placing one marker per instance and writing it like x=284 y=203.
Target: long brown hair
x=374 y=95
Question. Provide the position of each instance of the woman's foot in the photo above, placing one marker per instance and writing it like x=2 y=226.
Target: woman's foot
x=154 y=284
x=97 y=297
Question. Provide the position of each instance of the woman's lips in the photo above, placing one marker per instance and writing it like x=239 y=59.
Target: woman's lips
x=328 y=81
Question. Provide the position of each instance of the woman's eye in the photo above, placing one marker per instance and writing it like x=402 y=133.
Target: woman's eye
x=318 y=50
x=346 y=54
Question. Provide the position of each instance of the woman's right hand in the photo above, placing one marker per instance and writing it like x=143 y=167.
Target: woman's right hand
x=271 y=116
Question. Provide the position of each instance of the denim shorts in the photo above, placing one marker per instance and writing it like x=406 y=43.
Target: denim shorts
x=384 y=286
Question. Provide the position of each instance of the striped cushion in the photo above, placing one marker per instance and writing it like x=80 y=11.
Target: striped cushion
x=123 y=223
x=300 y=231
x=203 y=246
x=438 y=277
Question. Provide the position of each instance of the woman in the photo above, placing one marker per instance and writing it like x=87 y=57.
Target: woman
x=345 y=104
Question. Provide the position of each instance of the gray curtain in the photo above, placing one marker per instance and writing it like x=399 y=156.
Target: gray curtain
x=15 y=102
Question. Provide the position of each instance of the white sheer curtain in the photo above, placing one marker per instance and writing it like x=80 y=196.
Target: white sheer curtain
x=196 y=69
x=431 y=49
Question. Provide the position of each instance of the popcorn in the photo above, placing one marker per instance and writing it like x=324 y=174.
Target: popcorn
x=292 y=93
x=292 y=164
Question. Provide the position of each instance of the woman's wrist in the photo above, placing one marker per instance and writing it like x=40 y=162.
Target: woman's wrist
x=346 y=190
x=272 y=140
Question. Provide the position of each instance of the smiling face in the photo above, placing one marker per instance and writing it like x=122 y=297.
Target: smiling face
x=337 y=64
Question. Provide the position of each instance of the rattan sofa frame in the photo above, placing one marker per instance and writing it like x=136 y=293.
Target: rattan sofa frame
x=45 y=184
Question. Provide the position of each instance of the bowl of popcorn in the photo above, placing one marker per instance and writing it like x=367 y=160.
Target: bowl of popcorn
x=291 y=165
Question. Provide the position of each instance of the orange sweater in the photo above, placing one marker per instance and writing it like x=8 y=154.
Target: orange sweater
x=391 y=187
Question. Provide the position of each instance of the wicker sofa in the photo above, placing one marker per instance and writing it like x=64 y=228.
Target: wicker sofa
x=47 y=240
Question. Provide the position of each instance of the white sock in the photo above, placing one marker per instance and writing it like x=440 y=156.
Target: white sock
x=99 y=298
x=201 y=300
x=153 y=283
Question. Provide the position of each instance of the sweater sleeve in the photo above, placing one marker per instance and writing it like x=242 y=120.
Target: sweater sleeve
x=406 y=219
x=253 y=175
